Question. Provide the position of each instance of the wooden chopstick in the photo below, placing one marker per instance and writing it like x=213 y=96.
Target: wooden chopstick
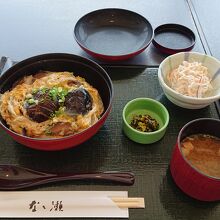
x=123 y=202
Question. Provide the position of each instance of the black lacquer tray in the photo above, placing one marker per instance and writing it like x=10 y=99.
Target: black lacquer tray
x=109 y=149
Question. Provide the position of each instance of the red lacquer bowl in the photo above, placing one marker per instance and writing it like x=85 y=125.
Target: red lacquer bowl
x=89 y=70
x=113 y=34
x=189 y=179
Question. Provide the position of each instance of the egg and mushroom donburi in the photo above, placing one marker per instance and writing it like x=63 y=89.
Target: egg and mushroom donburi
x=51 y=105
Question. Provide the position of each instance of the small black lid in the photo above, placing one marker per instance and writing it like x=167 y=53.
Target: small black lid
x=173 y=38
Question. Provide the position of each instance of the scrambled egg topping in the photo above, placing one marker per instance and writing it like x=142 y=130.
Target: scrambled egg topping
x=51 y=104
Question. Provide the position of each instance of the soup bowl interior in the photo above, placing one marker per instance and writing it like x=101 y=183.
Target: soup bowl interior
x=200 y=126
x=89 y=70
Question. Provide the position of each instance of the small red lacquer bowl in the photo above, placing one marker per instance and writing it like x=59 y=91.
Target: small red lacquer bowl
x=189 y=179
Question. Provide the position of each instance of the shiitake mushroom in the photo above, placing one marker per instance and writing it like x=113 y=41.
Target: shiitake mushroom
x=43 y=107
x=78 y=101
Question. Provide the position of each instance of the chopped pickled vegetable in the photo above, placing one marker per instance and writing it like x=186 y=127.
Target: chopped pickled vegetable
x=144 y=123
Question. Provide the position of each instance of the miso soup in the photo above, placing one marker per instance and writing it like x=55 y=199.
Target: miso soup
x=203 y=153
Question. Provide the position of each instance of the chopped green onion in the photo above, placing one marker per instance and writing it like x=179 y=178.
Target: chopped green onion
x=35 y=90
x=31 y=101
x=43 y=90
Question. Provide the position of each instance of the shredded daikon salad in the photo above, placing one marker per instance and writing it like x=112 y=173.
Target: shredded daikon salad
x=191 y=79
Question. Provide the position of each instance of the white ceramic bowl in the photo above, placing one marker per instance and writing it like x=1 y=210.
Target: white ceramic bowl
x=172 y=62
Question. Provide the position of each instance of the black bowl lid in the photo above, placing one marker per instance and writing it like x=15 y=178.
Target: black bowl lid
x=173 y=38
x=113 y=33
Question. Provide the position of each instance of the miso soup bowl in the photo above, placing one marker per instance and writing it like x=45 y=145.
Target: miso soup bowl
x=190 y=180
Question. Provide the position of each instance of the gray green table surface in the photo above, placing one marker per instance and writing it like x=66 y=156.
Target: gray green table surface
x=208 y=16
x=110 y=149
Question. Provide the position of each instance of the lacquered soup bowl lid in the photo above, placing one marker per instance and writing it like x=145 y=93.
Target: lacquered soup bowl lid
x=173 y=38
x=113 y=34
